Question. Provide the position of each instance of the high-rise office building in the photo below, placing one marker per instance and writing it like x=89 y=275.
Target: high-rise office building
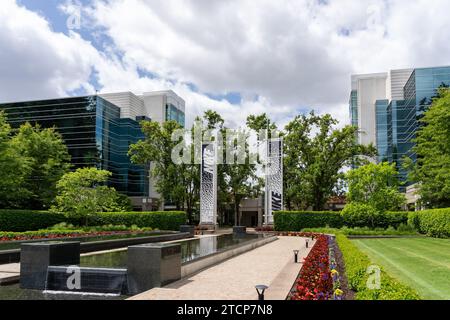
x=387 y=108
x=99 y=129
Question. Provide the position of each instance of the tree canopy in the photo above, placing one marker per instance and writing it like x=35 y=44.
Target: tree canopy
x=375 y=185
x=315 y=154
x=432 y=168
x=32 y=160
x=84 y=193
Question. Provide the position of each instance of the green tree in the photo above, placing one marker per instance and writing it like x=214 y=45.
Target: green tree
x=14 y=169
x=156 y=150
x=48 y=159
x=241 y=180
x=432 y=169
x=375 y=185
x=315 y=154
x=84 y=193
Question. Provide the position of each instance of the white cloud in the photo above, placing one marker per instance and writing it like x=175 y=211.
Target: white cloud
x=289 y=54
x=36 y=62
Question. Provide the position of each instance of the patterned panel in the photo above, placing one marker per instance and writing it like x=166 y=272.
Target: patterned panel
x=274 y=178
x=208 y=185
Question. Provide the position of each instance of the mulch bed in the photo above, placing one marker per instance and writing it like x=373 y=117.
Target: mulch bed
x=348 y=293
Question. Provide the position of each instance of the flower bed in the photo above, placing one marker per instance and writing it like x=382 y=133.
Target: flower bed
x=312 y=235
x=314 y=281
x=47 y=234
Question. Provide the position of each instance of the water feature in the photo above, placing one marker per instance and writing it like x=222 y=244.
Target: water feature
x=190 y=250
x=10 y=245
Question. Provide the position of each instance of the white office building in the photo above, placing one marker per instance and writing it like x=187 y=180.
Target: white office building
x=157 y=106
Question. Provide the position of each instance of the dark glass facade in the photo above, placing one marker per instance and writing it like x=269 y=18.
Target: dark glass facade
x=94 y=133
x=354 y=108
x=418 y=93
x=384 y=130
x=172 y=113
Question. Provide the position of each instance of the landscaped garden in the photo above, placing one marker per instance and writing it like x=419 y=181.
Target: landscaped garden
x=421 y=263
x=17 y=226
x=412 y=262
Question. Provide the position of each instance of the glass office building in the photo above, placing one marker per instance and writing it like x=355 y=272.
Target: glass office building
x=397 y=121
x=354 y=107
x=173 y=113
x=384 y=130
x=94 y=133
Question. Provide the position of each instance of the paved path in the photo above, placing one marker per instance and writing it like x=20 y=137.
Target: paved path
x=235 y=279
x=9 y=272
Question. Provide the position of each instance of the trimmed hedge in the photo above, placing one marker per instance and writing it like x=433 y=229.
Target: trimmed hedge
x=162 y=220
x=298 y=220
x=394 y=219
x=363 y=215
x=28 y=220
x=433 y=222
x=356 y=264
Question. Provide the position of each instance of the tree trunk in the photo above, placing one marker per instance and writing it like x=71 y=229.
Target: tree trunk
x=236 y=211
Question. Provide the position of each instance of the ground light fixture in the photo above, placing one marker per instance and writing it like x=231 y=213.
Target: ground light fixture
x=296 y=255
x=307 y=243
x=260 y=288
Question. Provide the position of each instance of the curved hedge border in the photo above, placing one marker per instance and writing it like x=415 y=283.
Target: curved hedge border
x=356 y=264
x=298 y=220
x=27 y=220
x=433 y=222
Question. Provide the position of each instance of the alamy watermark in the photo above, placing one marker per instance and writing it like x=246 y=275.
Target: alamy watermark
x=374 y=279
x=74 y=280
x=73 y=11
x=234 y=146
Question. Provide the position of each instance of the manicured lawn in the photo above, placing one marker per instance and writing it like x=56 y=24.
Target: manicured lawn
x=421 y=263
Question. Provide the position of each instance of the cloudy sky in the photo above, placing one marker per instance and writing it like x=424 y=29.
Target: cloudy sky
x=239 y=57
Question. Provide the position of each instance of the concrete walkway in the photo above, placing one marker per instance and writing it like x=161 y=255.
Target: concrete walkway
x=9 y=273
x=235 y=279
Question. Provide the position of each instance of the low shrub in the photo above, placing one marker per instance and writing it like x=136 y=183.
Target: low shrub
x=433 y=222
x=363 y=215
x=356 y=267
x=298 y=220
x=353 y=215
x=162 y=220
x=360 y=215
x=393 y=219
x=26 y=220
x=65 y=233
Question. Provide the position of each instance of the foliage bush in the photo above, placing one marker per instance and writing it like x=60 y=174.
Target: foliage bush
x=363 y=215
x=434 y=222
x=162 y=220
x=393 y=219
x=360 y=215
x=356 y=264
x=354 y=215
x=26 y=220
x=298 y=220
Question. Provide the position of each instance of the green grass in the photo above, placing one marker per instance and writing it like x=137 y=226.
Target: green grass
x=421 y=263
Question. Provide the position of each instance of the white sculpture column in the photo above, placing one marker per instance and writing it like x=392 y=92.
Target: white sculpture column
x=208 y=186
x=274 y=179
